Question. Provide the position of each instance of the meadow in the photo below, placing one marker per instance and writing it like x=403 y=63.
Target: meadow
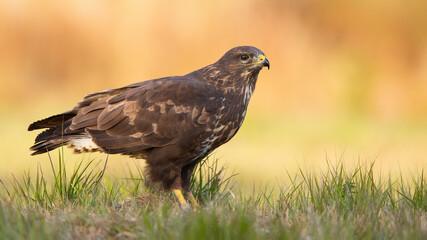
x=333 y=145
x=338 y=203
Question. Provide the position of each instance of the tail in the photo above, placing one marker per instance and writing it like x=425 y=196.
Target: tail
x=58 y=132
x=52 y=121
x=54 y=136
x=48 y=145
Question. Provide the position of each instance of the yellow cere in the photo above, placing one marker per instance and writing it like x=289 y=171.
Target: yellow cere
x=260 y=60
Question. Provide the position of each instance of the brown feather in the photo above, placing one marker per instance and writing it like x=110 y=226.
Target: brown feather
x=123 y=128
x=82 y=120
x=100 y=104
x=51 y=121
x=110 y=116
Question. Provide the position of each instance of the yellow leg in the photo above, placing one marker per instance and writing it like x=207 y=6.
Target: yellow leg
x=190 y=197
x=182 y=202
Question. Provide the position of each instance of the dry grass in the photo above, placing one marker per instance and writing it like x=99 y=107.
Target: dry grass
x=349 y=203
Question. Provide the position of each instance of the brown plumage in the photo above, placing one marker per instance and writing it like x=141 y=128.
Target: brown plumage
x=172 y=122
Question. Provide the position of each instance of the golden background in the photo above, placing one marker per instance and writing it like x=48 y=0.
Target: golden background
x=348 y=80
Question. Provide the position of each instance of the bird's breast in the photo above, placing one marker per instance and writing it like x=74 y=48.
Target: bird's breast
x=230 y=118
x=231 y=108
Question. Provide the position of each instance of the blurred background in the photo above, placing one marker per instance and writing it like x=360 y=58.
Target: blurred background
x=348 y=80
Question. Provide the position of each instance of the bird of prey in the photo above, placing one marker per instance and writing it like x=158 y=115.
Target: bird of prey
x=172 y=122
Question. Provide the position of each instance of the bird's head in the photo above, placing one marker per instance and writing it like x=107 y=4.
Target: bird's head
x=244 y=59
x=236 y=68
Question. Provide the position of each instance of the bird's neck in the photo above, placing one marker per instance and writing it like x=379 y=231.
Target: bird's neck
x=230 y=82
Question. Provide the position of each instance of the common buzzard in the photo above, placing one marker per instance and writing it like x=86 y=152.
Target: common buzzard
x=171 y=122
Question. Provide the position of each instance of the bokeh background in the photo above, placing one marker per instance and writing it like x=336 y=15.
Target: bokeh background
x=348 y=79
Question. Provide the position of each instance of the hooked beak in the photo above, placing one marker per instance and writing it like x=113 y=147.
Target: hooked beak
x=262 y=61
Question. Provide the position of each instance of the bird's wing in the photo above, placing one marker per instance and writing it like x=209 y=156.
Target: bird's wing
x=90 y=99
x=154 y=114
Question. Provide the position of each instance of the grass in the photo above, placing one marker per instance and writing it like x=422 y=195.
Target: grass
x=336 y=204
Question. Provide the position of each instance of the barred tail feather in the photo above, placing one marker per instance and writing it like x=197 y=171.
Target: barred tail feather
x=52 y=121
x=48 y=145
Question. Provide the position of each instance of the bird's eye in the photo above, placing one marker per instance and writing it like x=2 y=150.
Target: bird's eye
x=244 y=57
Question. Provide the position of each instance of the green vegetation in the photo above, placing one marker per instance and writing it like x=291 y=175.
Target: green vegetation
x=338 y=203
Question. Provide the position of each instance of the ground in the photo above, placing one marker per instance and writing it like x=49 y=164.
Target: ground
x=86 y=204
